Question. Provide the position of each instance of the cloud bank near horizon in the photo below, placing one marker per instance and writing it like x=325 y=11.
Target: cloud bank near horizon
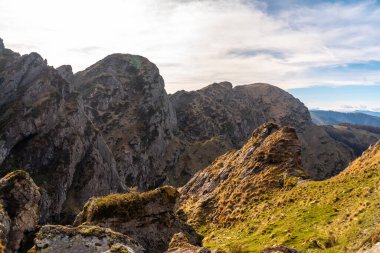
x=287 y=43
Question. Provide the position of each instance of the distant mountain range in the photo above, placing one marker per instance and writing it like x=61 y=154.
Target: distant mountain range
x=334 y=118
x=372 y=113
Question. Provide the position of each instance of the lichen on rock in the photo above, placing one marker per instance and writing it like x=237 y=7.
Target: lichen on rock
x=63 y=239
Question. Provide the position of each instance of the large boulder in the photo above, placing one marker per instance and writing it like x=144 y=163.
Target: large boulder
x=82 y=239
x=19 y=209
x=148 y=217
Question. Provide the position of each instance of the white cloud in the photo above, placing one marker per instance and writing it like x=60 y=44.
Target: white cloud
x=191 y=41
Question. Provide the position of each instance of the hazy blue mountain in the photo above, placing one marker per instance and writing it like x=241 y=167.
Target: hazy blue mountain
x=334 y=118
x=372 y=113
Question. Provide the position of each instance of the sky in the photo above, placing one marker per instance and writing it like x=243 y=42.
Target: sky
x=317 y=50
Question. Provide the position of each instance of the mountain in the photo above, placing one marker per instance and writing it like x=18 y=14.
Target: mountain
x=223 y=116
x=113 y=126
x=44 y=129
x=124 y=97
x=372 y=113
x=113 y=129
x=257 y=197
x=335 y=118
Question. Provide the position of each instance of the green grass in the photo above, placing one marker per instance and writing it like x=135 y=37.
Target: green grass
x=127 y=206
x=337 y=215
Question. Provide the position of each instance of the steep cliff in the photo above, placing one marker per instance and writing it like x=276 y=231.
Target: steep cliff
x=44 y=130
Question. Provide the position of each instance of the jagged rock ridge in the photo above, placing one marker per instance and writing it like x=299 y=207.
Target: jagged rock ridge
x=44 y=130
x=226 y=116
x=125 y=98
x=220 y=193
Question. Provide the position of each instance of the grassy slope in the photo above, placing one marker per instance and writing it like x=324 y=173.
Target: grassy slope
x=337 y=215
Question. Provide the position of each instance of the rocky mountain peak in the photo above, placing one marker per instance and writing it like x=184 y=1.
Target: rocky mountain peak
x=219 y=86
x=126 y=65
x=124 y=96
x=66 y=71
x=270 y=160
x=1 y=44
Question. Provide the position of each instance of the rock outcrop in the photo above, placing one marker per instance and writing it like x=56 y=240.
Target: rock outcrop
x=19 y=209
x=147 y=217
x=44 y=130
x=125 y=98
x=220 y=193
x=83 y=239
x=181 y=244
x=66 y=72
x=374 y=249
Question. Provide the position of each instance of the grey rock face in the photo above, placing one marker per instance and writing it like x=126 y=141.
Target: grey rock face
x=66 y=73
x=83 y=239
x=219 y=109
x=44 y=130
x=19 y=208
x=124 y=96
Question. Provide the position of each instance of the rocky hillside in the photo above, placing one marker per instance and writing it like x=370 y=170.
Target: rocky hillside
x=125 y=223
x=249 y=205
x=221 y=193
x=224 y=116
x=355 y=136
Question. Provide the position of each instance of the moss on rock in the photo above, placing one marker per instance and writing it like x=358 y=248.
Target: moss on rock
x=129 y=205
